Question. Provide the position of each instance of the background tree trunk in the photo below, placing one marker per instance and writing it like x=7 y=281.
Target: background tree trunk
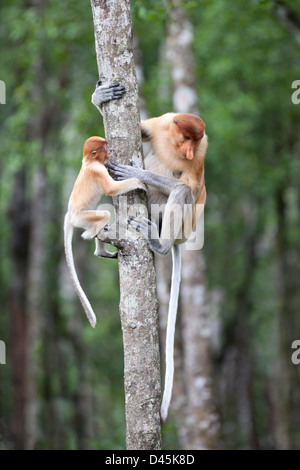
x=18 y=325
x=198 y=410
x=30 y=291
x=283 y=368
x=138 y=303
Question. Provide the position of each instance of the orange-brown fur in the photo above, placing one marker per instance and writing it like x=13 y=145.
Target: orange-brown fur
x=92 y=182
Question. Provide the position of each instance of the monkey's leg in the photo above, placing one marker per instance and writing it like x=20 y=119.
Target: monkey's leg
x=174 y=218
x=94 y=221
x=149 y=231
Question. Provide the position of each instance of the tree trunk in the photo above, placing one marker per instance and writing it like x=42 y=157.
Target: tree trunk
x=283 y=367
x=28 y=300
x=20 y=222
x=197 y=411
x=35 y=298
x=138 y=303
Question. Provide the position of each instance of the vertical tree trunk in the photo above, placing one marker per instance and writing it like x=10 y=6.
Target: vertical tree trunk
x=35 y=299
x=284 y=333
x=27 y=300
x=20 y=223
x=138 y=304
x=35 y=288
x=199 y=414
x=27 y=314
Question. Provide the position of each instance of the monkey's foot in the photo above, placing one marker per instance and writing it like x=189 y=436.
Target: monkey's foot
x=107 y=92
x=106 y=254
x=87 y=235
x=150 y=232
x=101 y=250
x=147 y=228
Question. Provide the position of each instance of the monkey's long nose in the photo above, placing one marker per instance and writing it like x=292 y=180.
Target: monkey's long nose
x=190 y=152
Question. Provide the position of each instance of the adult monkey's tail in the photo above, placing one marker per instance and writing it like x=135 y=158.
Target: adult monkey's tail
x=173 y=305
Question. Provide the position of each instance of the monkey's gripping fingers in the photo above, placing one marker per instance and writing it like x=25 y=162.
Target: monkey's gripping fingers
x=147 y=228
x=125 y=172
x=107 y=92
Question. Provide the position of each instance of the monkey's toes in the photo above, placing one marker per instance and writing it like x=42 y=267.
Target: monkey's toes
x=134 y=223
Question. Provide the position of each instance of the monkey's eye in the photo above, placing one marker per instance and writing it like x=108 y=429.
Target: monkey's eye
x=93 y=152
x=187 y=138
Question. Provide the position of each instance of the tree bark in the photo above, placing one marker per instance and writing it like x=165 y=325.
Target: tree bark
x=285 y=327
x=28 y=300
x=138 y=302
x=19 y=213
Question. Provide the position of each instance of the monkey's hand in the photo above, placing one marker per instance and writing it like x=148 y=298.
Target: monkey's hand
x=107 y=92
x=125 y=172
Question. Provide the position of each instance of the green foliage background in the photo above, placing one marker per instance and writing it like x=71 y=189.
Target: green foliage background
x=246 y=61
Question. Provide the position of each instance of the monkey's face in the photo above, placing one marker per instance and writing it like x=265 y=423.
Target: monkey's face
x=187 y=148
x=183 y=144
x=187 y=131
x=102 y=153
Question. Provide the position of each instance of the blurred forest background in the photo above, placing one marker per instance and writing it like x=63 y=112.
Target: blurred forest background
x=236 y=386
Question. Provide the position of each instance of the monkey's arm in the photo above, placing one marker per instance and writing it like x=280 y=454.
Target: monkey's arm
x=125 y=172
x=115 y=188
x=200 y=203
x=156 y=126
x=147 y=127
x=105 y=93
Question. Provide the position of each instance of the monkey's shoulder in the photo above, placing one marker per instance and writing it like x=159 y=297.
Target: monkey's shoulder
x=93 y=167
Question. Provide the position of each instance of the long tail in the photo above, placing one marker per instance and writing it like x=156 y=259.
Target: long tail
x=68 y=235
x=173 y=304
